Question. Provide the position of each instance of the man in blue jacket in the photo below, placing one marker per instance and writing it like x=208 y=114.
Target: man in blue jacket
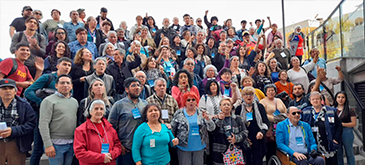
x=295 y=138
x=17 y=121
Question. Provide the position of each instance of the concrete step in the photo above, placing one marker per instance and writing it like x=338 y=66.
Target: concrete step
x=44 y=160
x=359 y=160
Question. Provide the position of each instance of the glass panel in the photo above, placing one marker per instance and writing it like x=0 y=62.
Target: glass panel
x=331 y=35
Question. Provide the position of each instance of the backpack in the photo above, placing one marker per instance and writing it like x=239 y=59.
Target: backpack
x=14 y=68
x=39 y=37
x=309 y=75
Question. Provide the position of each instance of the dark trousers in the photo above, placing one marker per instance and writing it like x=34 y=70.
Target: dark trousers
x=125 y=159
x=38 y=149
x=317 y=161
x=253 y=157
x=10 y=153
x=271 y=150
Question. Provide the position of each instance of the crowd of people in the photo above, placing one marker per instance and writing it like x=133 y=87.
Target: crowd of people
x=88 y=92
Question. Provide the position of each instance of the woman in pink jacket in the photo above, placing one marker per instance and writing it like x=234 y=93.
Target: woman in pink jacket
x=96 y=141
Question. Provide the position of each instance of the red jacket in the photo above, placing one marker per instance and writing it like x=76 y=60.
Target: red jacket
x=87 y=145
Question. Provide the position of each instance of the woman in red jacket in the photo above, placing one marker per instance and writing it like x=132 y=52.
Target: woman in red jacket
x=96 y=141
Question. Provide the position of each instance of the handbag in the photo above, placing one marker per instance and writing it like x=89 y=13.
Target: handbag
x=233 y=156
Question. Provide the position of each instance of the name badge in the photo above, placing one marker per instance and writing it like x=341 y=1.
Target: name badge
x=203 y=64
x=277 y=112
x=212 y=28
x=226 y=92
x=151 y=83
x=213 y=55
x=165 y=114
x=105 y=148
x=249 y=116
x=60 y=25
x=154 y=30
x=331 y=119
x=321 y=88
x=299 y=141
x=136 y=113
x=195 y=130
x=178 y=52
x=227 y=127
x=152 y=143
x=314 y=129
x=283 y=54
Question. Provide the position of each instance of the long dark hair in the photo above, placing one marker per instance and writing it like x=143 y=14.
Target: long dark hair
x=53 y=57
x=66 y=34
x=346 y=108
x=145 y=109
x=207 y=86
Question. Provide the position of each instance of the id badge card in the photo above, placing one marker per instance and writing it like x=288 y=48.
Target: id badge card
x=213 y=55
x=321 y=88
x=203 y=64
x=152 y=143
x=314 y=129
x=277 y=112
x=249 y=116
x=299 y=141
x=227 y=127
x=331 y=119
x=151 y=83
x=60 y=25
x=283 y=54
x=178 y=52
x=105 y=148
x=136 y=113
x=195 y=130
x=226 y=92
x=212 y=28
x=154 y=30
x=165 y=114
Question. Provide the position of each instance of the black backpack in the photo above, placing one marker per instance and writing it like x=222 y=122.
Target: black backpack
x=14 y=68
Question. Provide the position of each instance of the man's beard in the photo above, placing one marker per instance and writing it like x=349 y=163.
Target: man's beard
x=133 y=96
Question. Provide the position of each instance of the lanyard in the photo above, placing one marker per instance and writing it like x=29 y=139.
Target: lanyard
x=92 y=34
x=99 y=135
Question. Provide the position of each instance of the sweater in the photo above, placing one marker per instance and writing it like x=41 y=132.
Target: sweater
x=58 y=118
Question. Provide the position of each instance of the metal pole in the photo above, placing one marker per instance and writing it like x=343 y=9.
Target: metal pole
x=362 y=109
x=341 y=28
x=283 y=15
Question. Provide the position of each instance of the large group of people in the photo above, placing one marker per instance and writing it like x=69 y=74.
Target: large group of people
x=88 y=92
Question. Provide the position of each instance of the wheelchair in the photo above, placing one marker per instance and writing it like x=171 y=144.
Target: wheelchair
x=282 y=158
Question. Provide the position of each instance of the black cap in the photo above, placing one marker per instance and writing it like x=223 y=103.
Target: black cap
x=7 y=83
x=27 y=8
x=214 y=18
x=104 y=10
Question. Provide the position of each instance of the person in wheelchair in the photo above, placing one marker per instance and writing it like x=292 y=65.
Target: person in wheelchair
x=295 y=138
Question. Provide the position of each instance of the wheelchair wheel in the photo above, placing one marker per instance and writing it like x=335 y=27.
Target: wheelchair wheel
x=274 y=160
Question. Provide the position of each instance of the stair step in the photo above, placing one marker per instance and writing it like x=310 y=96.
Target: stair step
x=44 y=160
x=359 y=160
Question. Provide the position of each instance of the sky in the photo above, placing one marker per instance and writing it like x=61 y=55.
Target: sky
x=127 y=10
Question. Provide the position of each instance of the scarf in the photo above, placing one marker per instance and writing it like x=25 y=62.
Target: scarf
x=257 y=115
x=321 y=148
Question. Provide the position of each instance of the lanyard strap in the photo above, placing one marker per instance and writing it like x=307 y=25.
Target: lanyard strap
x=99 y=135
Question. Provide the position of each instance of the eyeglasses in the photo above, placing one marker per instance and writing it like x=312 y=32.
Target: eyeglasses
x=64 y=82
x=38 y=14
x=295 y=113
x=140 y=77
x=61 y=33
x=190 y=64
x=248 y=95
x=199 y=21
x=188 y=100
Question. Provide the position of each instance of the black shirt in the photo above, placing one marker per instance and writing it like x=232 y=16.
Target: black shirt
x=19 y=24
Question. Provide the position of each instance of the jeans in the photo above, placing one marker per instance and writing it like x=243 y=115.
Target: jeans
x=38 y=149
x=317 y=161
x=64 y=155
x=190 y=157
x=125 y=159
x=347 y=142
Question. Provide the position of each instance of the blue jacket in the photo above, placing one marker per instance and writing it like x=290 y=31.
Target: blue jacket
x=282 y=136
x=23 y=133
x=333 y=130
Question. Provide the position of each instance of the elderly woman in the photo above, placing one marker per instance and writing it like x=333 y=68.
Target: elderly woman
x=93 y=35
x=229 y=130
x=275 y=110
x=237 y=73
x=210 y=100
x=96 y=141
x=190 y=124
x=97 y=91
x=183 y=82
x=210 y=72
x=147 y=42
x=198 y=68
x=296 y=43
x=249 y=82
x=83 y=66
x=261 y=75
x=299 y=74
x=108 y=51
x=253 y=114
x=152 y=147
x=326 y=126
x=60 y=49
x=167 y=61
x=225 y=82
x=136 y=50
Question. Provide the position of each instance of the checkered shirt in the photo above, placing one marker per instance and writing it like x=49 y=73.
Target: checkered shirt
x=9 y=114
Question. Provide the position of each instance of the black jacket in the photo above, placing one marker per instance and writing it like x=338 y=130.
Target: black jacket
x=121 y=73
x=111 y=23
x=169 y=33
x=23 y=133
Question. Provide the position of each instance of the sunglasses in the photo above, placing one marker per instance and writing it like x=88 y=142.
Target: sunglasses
x=295 y=113
x=188 y=100
x=61 y=33
x=38 y=14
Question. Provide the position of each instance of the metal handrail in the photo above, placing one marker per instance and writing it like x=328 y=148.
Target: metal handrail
x=356 y=96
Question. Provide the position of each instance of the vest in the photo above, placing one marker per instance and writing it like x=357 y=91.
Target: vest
x=108 y=81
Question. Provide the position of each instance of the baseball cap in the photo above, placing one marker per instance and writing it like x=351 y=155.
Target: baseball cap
x=104 y=10
x=27 y=8
x=7 y=83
